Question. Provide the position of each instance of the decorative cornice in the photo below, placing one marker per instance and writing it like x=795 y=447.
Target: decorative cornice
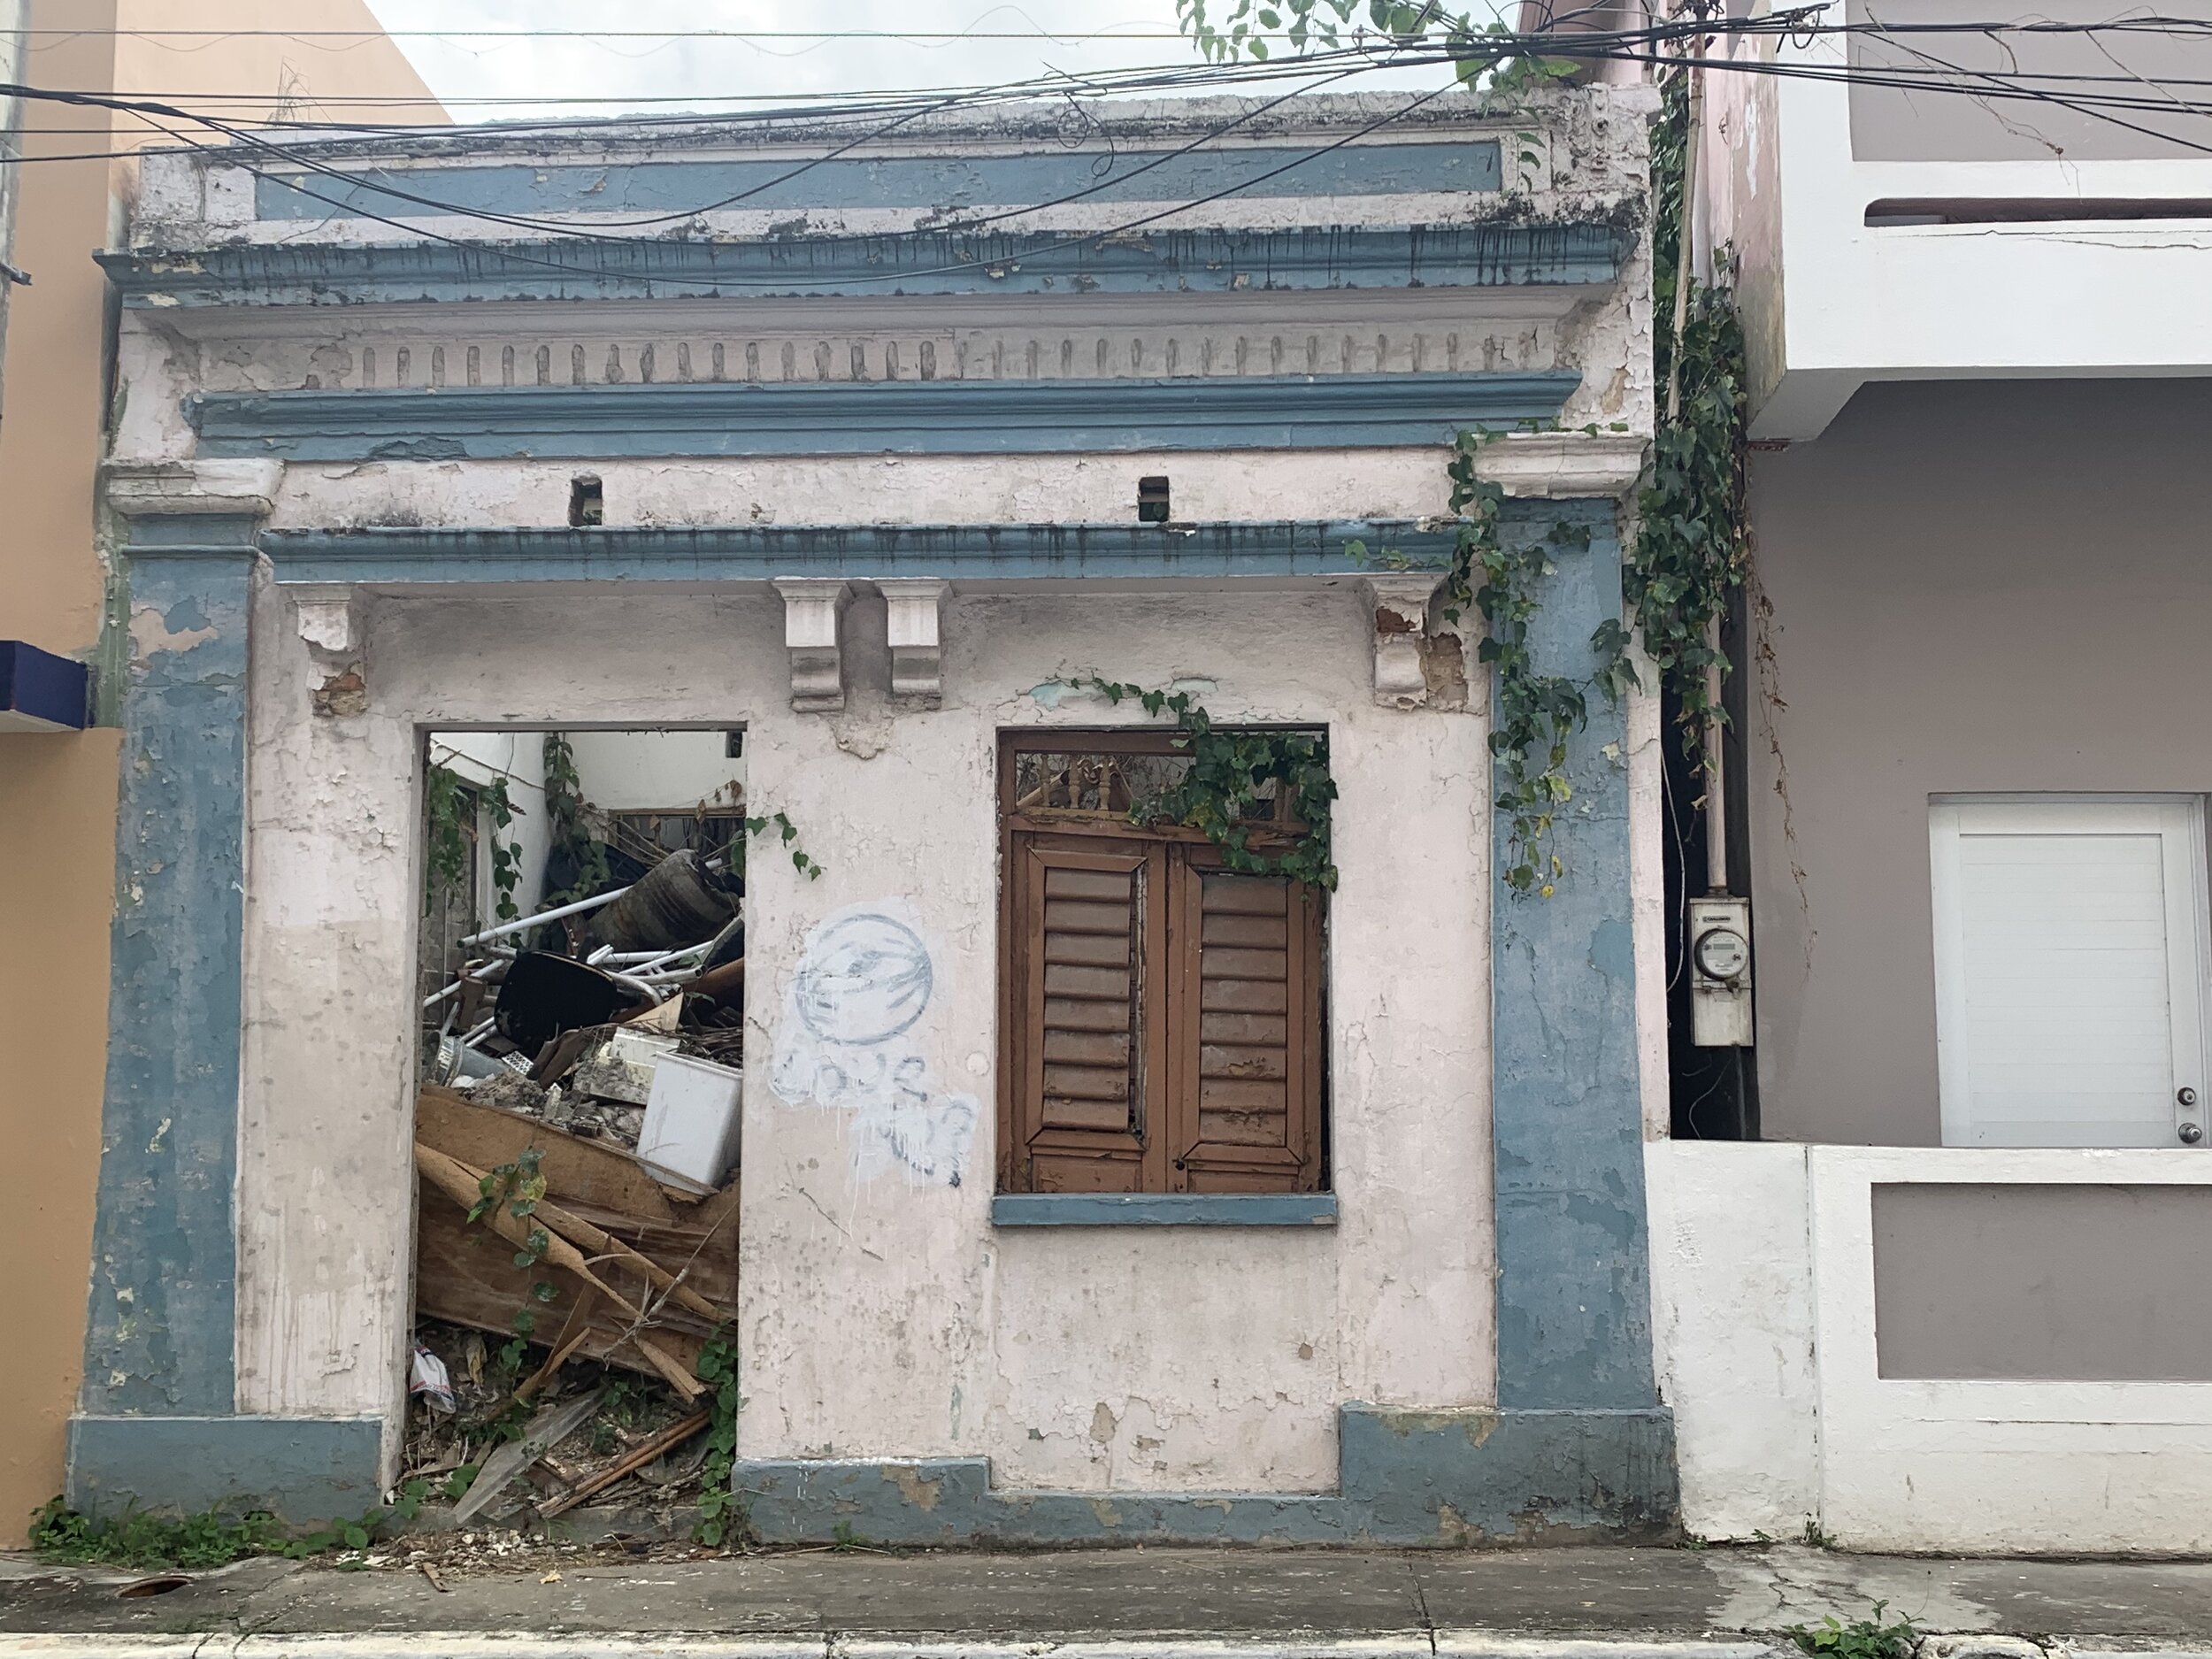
x=230 y=488
x=1493 y=255
x=756 y=553
x=862 y=417
x=968 y=177
x=1563 y=465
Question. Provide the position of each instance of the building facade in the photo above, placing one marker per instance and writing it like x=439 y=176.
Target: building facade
x=890 y=453
x=1948 y=1305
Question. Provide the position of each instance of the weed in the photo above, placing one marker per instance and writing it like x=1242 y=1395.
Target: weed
x=1814 y=1538
x=718 y=1369
x=141 y=1541
x=846 y=1537
x=59 y=1534
x=1861 y=1638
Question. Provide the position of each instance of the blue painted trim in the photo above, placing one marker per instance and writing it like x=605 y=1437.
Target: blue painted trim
x=862 y=418
x=755 y=553
x=41 y=692
x=1405 y=1478
x=1164 y=1210
x=160 y=1322
x=300 y=1469
x=944 y=184
x=1574 y=1291
x=916 y=263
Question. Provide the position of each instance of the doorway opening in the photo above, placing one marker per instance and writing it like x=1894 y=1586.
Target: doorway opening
x=581 y=994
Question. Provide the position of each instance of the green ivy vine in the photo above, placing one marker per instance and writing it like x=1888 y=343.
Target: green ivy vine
x=1692 y=547
x=451 y=805
x=789 y=834
x=1536 y=713
x=567 y=813
x=1229 y=776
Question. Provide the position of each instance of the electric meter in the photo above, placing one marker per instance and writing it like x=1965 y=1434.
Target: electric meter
x=1719 y=931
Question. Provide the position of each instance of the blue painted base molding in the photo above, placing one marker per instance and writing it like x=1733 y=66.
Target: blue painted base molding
x=1423 y=1478
x=299 y=1469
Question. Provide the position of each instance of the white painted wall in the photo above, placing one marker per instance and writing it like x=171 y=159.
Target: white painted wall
x=881 y=1313
x=479 y=758
x=1764 y=1287
x=1731 y=1285
x=622 y=771
x=1934 y=302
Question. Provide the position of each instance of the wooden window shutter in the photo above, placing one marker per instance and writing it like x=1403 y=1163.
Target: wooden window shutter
x=1247 y=1034
x=1085 y=1007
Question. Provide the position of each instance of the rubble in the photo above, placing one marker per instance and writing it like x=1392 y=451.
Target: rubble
x=566 y=1287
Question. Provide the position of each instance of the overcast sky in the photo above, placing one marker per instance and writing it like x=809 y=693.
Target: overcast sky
x=640 y=71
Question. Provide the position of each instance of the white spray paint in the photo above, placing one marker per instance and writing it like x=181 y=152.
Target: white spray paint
x=851 y=1038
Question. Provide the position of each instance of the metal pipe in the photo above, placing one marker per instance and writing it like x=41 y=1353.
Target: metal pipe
x=1715 y=775
x=577 y=909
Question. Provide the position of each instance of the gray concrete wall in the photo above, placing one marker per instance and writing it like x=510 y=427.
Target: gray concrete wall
x=2093 y=1284
x=1975 y=586
x=1891 y=123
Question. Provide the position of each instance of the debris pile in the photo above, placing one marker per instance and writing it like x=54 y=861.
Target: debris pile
x=576 y=1146
x=589 y=1273
x=567 y=1015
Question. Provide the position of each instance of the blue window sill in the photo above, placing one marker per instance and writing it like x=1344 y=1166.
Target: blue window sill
x=1164 y=1210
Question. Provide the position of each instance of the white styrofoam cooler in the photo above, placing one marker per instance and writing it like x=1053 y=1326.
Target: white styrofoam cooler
x=691 y=1118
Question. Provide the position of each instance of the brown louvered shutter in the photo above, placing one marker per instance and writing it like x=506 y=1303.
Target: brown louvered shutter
x=1246 y=1025
x=1086 y=1014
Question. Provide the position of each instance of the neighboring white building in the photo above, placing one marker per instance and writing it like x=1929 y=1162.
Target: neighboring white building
x=882 y=456
x=1957 y=1308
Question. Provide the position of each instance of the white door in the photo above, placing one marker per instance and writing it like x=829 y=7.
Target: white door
x=2070 y=984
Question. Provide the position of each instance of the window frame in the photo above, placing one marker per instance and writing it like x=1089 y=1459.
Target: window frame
x=1168 y=1100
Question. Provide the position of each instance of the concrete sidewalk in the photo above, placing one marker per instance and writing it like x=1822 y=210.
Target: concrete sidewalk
x=1572 y=1603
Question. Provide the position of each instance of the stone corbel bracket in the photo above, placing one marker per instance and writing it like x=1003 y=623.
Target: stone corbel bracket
x=813 y=630
x=1400 y=605
x=1563 y=465
x=329 y=620
x=913 y=607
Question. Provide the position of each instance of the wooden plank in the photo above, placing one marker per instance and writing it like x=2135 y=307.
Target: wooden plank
x=1214 y=1060
x=1248 y=1030
x=575 y=1169
x=1078 y=1048
x=1061 y=980
x=1271 y=933
x=1086 y=1014
x=1064 y=1112
x=1225 y=963
x=1062 y=917
x=1106 y=886
x=1244 y=996
x=1241 y=1128
x=1091 y=950
x=1242 y=1095
x=466 y=1276
x=1244 y=896
x=1071 y=1082
x=1082 y=1172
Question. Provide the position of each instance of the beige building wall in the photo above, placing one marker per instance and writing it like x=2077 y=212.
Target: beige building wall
x=1976 y=587
x=57 y=792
